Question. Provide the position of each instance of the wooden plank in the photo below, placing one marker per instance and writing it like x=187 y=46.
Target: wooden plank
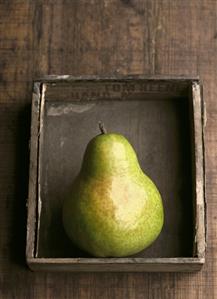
x=39 y=138
x=33 y=173
x=117 y=265
x=199 y=169
x=93 y=88
x=116 y=77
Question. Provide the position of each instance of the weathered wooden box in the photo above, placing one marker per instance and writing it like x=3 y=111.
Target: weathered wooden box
x=164 y=120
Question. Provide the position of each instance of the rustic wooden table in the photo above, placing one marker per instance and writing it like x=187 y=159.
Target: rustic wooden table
x=100 y=37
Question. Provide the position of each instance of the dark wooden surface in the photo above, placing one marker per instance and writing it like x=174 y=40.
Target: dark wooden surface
x=102 y=38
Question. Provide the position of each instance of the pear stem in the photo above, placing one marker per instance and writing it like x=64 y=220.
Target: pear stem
x=102 y=128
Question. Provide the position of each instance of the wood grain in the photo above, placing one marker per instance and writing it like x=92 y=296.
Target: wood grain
x=98 y=37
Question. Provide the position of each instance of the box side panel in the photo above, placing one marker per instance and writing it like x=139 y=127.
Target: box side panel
x=127 y=265
x=122 y=89
x=199 y=170
x=133 y=77
x=32 y=193
x=39 y=166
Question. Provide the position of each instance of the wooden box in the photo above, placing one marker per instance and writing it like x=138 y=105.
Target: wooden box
x=164 y=120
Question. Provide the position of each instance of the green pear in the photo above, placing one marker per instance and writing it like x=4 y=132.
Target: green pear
x=114 y=209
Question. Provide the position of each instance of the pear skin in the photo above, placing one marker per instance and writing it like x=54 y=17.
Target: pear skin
x=114 y=209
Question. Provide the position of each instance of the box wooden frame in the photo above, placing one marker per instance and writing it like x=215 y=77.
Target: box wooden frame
x=119 y=264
